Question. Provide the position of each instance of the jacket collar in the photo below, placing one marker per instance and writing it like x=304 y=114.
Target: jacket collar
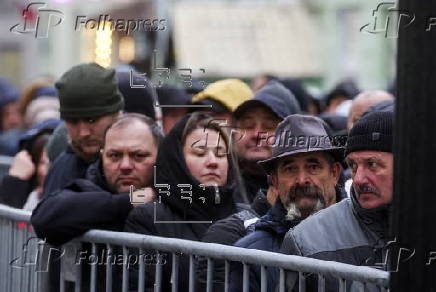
x=376 y=219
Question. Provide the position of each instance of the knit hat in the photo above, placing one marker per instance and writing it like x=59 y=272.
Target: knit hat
x=371 y=132
x=230 y=92
x=87 y=91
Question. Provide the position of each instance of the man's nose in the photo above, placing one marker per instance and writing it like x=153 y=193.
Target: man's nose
x=126 y=163
x=359 y=176
x=303 y=177
x=84 y=129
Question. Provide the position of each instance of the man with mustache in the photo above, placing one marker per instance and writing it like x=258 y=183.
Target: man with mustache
x=103 y=199
x=89 y=102
x=355 y=230
x=305 y=175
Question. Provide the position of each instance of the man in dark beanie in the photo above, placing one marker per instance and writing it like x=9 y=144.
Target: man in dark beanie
x=353 y=231
x=89 y=102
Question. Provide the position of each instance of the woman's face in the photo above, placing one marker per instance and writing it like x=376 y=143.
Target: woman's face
x=205 y=153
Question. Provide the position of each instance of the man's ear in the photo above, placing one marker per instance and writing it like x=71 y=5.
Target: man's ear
x=274 y=180
x=336 y=171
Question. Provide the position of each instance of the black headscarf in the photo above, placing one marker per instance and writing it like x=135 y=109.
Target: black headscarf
x=171 y=169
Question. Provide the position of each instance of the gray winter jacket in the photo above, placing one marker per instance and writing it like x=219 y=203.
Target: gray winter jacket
x=344 y=232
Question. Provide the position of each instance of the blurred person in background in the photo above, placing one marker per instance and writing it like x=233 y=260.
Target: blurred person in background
x=222 y=97
x=136 y=99
x=344 y=90
x=301 y=94
x=10 y=119
x=363 y=101
x=260 y=80
x=178 y=99
x=22 y=187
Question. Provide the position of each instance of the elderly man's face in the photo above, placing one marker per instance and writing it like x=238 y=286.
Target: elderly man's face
x=372 y=173
x=128 y=157
x=306 y=183
x=87 y=135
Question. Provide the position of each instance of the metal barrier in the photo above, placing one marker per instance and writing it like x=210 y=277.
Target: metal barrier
x=14 y=239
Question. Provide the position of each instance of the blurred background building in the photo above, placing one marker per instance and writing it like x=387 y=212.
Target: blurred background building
x=317 y=41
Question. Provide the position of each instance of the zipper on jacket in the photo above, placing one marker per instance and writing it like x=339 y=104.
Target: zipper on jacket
x=217 y=195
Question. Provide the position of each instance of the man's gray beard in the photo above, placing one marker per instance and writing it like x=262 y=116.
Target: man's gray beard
x=295 y=213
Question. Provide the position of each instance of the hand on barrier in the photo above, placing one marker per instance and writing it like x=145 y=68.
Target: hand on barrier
x=141 y=196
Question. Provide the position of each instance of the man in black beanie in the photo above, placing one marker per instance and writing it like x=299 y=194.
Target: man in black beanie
x=355 y=230
x=89 y=102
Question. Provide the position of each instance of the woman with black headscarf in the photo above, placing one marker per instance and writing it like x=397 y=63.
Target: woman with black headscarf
x=193 y=186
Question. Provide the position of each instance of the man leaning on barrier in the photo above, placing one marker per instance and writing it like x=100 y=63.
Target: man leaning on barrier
x=306 y=181
x=89 y=102
x=102 y=200
x=353 y=231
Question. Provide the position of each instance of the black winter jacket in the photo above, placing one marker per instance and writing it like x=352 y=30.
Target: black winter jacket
x=268 y=236
x=14 y=191
x=83 y=205
x=228 y=231
x=181 y=211
x=64 y=170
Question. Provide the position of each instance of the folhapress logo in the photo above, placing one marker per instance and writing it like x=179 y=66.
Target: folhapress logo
x=388 y=20
x=41 y=23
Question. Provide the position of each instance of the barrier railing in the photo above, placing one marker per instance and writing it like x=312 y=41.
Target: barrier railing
x=25 y=275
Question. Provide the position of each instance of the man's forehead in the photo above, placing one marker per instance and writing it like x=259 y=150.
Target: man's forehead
x=363 y=155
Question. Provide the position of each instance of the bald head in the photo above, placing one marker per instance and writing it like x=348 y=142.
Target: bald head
x=363 y=101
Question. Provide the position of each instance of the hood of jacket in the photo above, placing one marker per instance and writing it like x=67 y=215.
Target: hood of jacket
x=275 y=97
x=178 y=189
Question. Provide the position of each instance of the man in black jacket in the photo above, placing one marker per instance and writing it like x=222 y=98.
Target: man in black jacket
x=354 y=231
x=89 y=102
x=102 y=200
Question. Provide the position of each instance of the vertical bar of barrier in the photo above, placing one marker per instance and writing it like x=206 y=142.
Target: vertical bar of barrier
x=16 y=253
x=141 y=276
x=125 y=272
x=342 y=285
x=191 y=273
x=282 y=281
x=94 y=270
x=321 y=283
x=109 y=268
x=209 y=280
x=245 y=278
x=263 y=279
x=158 y=279
x=226 y=276
x=301 y=282
x=175 y=273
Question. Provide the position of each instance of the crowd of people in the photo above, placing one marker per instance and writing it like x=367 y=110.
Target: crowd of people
x=266 y=167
